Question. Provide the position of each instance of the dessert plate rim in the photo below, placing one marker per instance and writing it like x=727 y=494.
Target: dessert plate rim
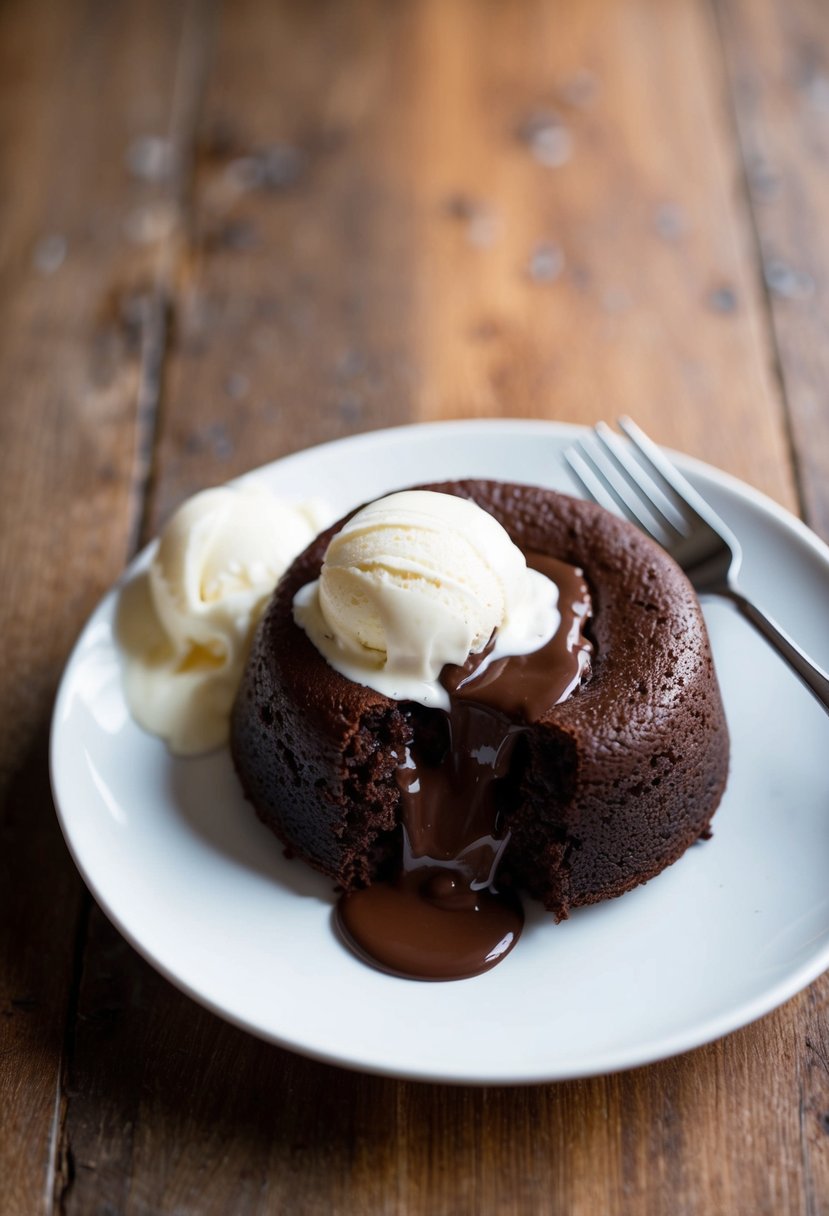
x=116 y=829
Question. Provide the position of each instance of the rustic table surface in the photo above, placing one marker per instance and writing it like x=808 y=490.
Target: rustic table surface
x=227 y=233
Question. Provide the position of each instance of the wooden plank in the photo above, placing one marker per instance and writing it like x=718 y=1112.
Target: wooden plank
x=409 y=212
x=778 y=56
x=80 y=84
x=778 y=69
x=387 y=234
x=603 y=142
x=293 y=319
x=191 y=1115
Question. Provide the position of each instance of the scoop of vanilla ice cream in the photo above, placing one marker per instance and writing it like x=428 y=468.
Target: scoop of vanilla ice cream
x=417 y=580
x=216 y=565
x=218 y=559
x=420 y=578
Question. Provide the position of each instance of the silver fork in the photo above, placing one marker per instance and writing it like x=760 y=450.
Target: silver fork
x=640 y=480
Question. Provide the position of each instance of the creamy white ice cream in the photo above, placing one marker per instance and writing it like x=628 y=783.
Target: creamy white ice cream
x=187 y=627
x=417 y=580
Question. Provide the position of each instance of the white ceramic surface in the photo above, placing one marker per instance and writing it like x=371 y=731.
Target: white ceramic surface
x=179 y=862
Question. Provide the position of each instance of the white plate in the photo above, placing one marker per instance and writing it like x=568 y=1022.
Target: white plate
x=179 y=862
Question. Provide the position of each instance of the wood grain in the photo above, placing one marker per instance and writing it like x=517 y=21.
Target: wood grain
x=293 y=315
x=238 y=232
x=652 y=307
x=180 y=1112
x=778 y=55
x=388 y=235
x=77 y=327
x=383 y=238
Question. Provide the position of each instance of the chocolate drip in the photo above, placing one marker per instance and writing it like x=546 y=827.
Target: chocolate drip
x=443 y=917
x=525 y=686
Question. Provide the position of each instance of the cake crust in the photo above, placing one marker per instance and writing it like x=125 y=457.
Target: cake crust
x=608 y=788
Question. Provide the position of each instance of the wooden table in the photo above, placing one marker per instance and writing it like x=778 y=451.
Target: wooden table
x=228 y=233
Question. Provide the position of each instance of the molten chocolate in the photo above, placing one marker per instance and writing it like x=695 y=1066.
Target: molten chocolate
x=443 y=917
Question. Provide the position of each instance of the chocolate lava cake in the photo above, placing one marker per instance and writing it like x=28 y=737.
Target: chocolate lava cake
x=606 y=789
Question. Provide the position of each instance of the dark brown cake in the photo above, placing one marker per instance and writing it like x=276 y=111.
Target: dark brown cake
x=607 y=788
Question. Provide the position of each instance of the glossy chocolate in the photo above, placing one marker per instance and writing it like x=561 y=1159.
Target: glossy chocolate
x=443 y=917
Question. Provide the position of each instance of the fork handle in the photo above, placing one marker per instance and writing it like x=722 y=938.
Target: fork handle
x=811 y=675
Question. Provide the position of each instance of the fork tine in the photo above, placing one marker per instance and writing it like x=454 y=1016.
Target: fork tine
x=609 y=488
x=658 y=503
x=590 y=482
x=634 y=504
x=696 y=507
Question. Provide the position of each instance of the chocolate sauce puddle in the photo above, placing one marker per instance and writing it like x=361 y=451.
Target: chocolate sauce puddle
x=443 y=916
